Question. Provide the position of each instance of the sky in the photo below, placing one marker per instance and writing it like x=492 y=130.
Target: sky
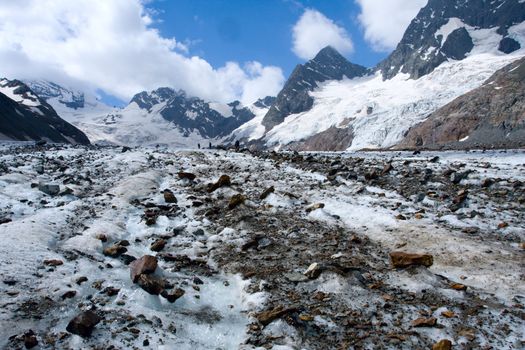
x=219 y=50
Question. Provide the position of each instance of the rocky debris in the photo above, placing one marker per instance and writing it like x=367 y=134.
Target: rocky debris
x=458 y=286
x=83 y=324
x=314 y=207
x=150 y=216
x=223 y=181
x=50 y=189
x=125 y=149
x=313 y=271
x=172 y=296
x=444 y=344
x=187 y=176
x=110 y=291
x=69 y=294
x=267 y=317
x=236 y=200
x=30 y=340
x=81 y=280
x=151 y=284
x=144 y=265
x=424 y=322
x=158 y=245
x=53 y=262
x=267 y=192
x=169 y=197
x=402 y=259
x=115 y=250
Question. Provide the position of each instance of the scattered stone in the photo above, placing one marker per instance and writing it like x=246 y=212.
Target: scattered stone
x=448 y=314
x=424 y=322
x=5 y=220
x=295 y=277
x=30 y=340
x=487 y=182
x=125 y=149
x=267 y=317
x=314 y=207
x=83 y=324
x=387 y=168
x=69 y=294
x=114 y=251
x=102 y=237
x=306 y=317
x=188 y=176
x=236 y=200
x=402 y=259
x=444 y=344
x=50 y=189
x=503 y=225
x=400 y=217
x=169 y=197
x=53 y=262
x=158 y=245
x=267 y=192
x=224 y=180
x=313 y=271
x=111 y=291
x=145 y=265
x=173 y=295
x=197 y=280
x=458 y=286
x=151 y=284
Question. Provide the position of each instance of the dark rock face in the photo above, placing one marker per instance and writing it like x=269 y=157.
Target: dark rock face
x=193 y=114
x=331 y=140
x=421 y=50
x=509 y=45
x=295 y=98
x=492 y=115
x=33 y=118
x=83 y=324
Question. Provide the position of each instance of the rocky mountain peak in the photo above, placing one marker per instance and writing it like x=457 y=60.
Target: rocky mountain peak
x=450 y=29
x=47 y=90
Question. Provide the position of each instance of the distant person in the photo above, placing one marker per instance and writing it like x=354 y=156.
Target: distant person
x=237 y=145
x=199 y=145
x=209 y=146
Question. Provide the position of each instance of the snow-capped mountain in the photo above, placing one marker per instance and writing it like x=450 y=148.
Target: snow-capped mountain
x=328 y=64
x=449 y=49
x=24 y=117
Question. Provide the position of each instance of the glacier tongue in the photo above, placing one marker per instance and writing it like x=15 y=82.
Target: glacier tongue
x=380 y=112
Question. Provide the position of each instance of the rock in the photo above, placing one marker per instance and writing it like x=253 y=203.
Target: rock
x=424 y=322
x=102 y=237
x=114 y=251
x=295 y=277
x=458 y=286
x=173 y=296
x=387 y=168
x=314 y=207
x=169 y=197
x=158 y=245
x=53 y=262
x=69 y=294
x=267 y=192
x=127 y=259
x=444 y=344
x=30 y=340
x=83 y=324
x=306 y=317
x=267 y=317
x=81 y=280
x=448 y=314
x=313 y=271
x=145 y=265
x=487 y=182
x=125 y=149
x=224 y=180
x=188 y=176
x=503 y=225
x=400 y=217
x=111 y=291
x=50 y=189
x=456 y=177
x=152 y=285
x=236 y=200
x=401 y=259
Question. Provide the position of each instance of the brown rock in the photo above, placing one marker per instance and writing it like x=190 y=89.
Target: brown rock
x=69 y=294
x=151 y=284
x=53 y=262
x=448 y=314
x=444 y=344
x=401 y=259
x=236 y=200
x=158 y=245
x=314 y=207
x=30 y=340
x=115 y=250
x=145 y=265
x=267 y=192
x=267 y=317
x=173 y=296
x=224 y=180
x=83 y=324
x=169 y=197
x=313 y=271
x=458 y=286
x=424 y=322
x=188 y=176
x=502 y=225
x=102 y=237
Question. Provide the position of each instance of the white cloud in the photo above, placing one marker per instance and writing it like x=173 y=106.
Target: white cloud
x=111 y=45
x=314 y=31
x=385 y=22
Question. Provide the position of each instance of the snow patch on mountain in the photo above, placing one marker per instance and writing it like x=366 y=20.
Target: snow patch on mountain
x=12 y=90
x=380 y=112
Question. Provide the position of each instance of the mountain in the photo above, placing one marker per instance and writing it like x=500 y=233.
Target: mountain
x=24 y=116
x=492 y=115
x=451 y=48
x=451 y=29
x=294 y=98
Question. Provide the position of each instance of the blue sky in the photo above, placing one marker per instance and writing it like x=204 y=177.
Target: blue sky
x=261 y=30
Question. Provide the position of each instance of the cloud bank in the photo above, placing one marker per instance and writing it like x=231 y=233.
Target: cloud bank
x=384 y=22
x=111 y=45
x=314 y=31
